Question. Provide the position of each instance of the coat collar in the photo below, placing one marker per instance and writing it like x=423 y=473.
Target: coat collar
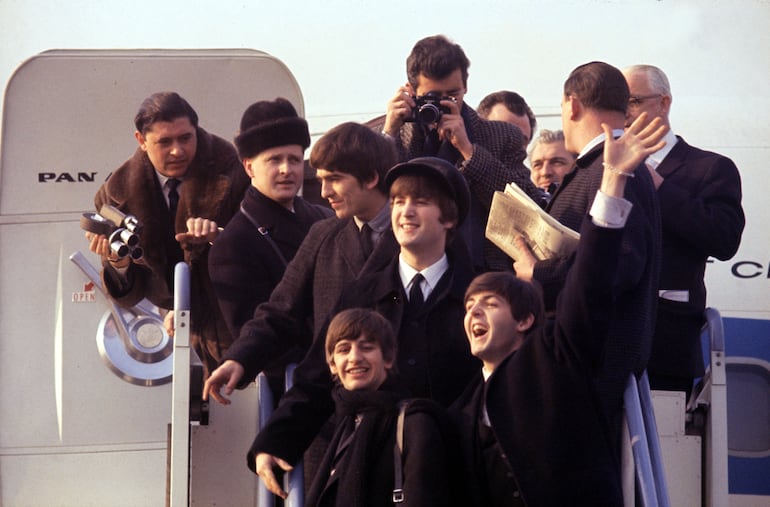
x=675 y=159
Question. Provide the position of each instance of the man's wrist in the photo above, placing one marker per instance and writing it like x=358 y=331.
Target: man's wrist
x=465 y=163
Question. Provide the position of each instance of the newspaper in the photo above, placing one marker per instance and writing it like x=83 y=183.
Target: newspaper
x=513 y=213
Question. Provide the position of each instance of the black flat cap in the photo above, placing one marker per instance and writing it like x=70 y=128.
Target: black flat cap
x=438 y=169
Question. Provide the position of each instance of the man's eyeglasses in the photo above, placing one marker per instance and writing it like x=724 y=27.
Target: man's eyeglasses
x=636 y=100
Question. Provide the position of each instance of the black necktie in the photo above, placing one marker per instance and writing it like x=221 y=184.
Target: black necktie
x=366 y=240
x=173 y=195
x=416 y=299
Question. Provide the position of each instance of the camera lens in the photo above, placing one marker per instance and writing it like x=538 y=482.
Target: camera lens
x=118 y=248
x=428 y=113
x=128 y=237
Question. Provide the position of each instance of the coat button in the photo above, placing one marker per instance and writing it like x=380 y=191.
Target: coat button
x=411 y=361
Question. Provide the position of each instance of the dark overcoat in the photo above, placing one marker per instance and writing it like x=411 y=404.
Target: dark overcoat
x=329 y=257
x=243 y=264
x=635 y=283
x=541 y=402
x=701 y=216
x=363 y=474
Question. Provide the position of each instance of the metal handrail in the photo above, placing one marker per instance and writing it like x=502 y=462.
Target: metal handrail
x=656 y=455
x=179 y=494
x=639 y=444
x=294 y=480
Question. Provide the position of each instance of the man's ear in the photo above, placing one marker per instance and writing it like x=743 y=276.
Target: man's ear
x=333 y=369
x=525 y=324
x=449 y=224
x=665 y=102
x=372 y=184
x=247 y=167
x=141 y=140
x=575 y=107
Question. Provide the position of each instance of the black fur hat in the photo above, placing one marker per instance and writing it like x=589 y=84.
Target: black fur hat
x=267 y=124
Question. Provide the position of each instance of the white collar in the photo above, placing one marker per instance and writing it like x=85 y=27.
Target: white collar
x=163 y=179
x=656 y=158
x=598 y=139
x=432 y=274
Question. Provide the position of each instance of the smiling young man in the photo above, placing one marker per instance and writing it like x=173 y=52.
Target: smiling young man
x=419 y=293
x=351 y=162
x=250 y=255
x=533 y=429
x=181 y=183
x=358 y=468
x=489 y=154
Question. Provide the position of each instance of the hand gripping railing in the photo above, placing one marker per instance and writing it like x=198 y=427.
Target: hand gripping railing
x=294 y=480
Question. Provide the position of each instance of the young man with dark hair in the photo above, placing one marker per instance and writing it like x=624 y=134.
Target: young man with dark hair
x=181 y=184
x=533 y=429
x=250 y=255
x=419 y=292
x=488 y=154
x=354 y=163
x=358 y=469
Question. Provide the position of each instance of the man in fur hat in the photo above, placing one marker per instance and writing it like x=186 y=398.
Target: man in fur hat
x=250 y=256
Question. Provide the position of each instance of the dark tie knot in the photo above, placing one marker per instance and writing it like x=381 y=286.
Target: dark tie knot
x=416 y=298
x=367 y=244
x=173 y=194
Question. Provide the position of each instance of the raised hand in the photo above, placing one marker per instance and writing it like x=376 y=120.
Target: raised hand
x=623 y=155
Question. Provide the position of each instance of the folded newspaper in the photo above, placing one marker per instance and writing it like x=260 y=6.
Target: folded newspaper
x=514 y=213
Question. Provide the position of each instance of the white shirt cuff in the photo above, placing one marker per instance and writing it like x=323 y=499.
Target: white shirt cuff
x=610 y=212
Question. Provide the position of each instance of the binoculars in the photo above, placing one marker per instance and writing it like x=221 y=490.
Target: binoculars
x=121 y=229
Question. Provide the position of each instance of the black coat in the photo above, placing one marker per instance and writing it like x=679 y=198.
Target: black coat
x=701 y=216
x=360 y=472
x=329 y=258
x=542 y=405
x=635 y=283
x=433 y=361
x=243 y=265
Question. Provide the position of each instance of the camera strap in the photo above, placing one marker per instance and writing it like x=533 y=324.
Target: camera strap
x=398 y=449
x=265 y=234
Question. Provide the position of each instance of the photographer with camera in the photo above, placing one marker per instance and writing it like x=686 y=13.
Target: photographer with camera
x=428 y=117
x=181 y=184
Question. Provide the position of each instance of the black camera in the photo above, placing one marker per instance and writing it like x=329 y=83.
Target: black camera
x=428 y=108
x=121 y=229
